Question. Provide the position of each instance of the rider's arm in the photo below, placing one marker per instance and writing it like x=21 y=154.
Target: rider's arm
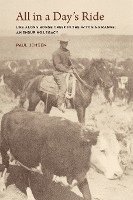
x=69 y=60
x=57 y=63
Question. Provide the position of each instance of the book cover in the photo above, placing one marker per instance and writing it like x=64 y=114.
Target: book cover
x=73 y=61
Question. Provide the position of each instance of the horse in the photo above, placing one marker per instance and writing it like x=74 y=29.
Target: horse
x=86 y=83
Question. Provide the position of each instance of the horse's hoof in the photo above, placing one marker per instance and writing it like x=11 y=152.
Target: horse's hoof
x=2 y=185
x=2 y=188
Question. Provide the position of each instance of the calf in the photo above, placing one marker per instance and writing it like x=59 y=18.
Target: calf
x=60 y=147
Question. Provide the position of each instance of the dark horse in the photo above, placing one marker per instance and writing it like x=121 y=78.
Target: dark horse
x=85 y=85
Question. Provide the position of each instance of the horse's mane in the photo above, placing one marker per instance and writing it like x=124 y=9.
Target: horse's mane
x=97 y=63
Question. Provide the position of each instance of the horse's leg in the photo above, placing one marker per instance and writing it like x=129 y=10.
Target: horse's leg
x=33 y=101
x=106 y=95
x=5 y=161
x=47 y=108
x=114 y=93
x=49 y=101
x=22 y=99
x=129 y=97
x=72 y=103
x=81 y=114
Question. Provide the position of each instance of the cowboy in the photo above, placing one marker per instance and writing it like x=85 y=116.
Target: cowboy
x=62 y=65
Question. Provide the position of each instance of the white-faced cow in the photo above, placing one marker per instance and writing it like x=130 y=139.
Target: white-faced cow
x=118 y=90
x=104 y=157
x=129 y=88
x=59 y=146
x=122 y=91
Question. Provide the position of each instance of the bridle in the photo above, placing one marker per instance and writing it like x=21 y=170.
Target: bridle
x=97 y=73
x=83 y=82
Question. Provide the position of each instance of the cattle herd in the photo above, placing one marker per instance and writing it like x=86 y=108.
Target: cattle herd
x=54 y=146
x=20 y=71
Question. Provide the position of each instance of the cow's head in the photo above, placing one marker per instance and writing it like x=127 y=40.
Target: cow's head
x=105 y=155
x=122 y=81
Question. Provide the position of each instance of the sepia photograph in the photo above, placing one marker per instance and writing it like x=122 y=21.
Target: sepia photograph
x=66 y=100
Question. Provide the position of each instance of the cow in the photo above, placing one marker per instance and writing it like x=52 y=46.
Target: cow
x=105 y=157
x=129 y=88
x=12 y=66
x=122 y=91
x=118 y=90
x=34 y=138
x=2 y=80
x=59 y=146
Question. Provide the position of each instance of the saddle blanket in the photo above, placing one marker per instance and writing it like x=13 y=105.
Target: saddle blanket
x=48 y=85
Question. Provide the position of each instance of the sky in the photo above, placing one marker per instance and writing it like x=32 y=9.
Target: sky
x=117 y=13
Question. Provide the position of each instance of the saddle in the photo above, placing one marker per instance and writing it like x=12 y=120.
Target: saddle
x=49 y=86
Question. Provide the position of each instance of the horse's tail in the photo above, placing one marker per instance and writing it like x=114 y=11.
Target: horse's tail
x=23 y=95
x=29 y=87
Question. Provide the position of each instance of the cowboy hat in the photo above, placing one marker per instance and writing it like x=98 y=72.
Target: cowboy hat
x=63 y=38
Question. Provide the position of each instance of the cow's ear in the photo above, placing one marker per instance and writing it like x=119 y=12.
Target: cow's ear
x=94 y=137
x=90 y=136
x=91 y=141
x=85 y=142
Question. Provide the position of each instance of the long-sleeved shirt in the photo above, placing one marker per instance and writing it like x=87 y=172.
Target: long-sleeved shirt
x=61 y=60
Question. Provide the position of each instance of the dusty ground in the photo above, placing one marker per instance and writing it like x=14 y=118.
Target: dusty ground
x=117 y=117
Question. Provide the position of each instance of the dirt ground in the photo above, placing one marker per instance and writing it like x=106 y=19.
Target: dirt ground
x=117 y=117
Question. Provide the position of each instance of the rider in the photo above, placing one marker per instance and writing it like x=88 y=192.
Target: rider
x=62 y=65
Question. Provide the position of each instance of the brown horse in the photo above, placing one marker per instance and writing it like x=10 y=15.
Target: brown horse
x=85 y=85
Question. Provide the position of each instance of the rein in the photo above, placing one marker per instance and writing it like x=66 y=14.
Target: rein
x=81 y=80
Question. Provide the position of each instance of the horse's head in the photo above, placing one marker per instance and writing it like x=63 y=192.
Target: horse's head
x=100 y=73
